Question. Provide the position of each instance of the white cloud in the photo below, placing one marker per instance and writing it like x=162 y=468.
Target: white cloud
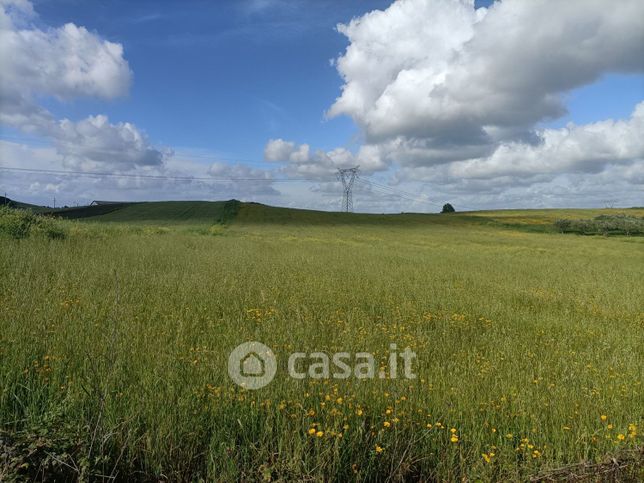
x=443 y=72
x=280 y=150
x=407 y=39
x=64 y=63
x=300 y=161
x=587 y=148
x=245 y=182
x=94 y=142
x=15 y=11
x=449 y=97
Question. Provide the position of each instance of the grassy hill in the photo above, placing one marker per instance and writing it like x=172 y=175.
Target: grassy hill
x=206 y=213
x=23 y=206
x=155 y=212
x=209 y=212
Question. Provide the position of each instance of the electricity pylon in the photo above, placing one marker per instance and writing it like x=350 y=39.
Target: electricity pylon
x=348 y=177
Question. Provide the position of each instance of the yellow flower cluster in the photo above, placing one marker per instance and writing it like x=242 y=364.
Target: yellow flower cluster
x=259 y=315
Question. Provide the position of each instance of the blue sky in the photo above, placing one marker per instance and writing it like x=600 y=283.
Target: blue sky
x=215 y=81
x=226 y=76
x=222 y=76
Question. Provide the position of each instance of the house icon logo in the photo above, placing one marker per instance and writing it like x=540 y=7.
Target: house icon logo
x=252 y=365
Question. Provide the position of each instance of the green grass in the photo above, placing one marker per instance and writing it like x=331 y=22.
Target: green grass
x=114 y=344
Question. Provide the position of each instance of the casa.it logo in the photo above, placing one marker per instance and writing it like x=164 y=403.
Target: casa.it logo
x=252 y=365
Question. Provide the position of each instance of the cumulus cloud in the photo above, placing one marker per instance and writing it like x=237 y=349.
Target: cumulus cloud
x=596 y=164
x=94 y=142
x=452 y=95
x=587 y=148
x=67 y=62
x=64 y=62
x=280 y=150
x=300 y=161
x=443 y=72
x=245 y=182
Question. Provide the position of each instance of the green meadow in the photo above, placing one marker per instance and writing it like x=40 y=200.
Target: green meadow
x=115 y=336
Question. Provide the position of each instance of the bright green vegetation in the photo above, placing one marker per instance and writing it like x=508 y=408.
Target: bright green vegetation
x=114 y=344
x=20 y=223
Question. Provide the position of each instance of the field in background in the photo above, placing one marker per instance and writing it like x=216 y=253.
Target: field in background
x=114 y=345
x=205 y=213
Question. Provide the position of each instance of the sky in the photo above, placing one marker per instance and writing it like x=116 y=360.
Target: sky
x=485 y=105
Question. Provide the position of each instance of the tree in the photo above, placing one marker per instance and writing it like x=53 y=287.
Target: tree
x=447 y=208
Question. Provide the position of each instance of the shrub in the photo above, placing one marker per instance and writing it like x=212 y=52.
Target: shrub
x=50 y=229
x=216 y=230
x=15 y=223
x=19 y=224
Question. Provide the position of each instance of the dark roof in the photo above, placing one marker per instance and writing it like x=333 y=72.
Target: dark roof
x=98 y=202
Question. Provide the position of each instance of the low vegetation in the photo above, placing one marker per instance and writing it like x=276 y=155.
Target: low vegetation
x=114 y=343
x=604 y=225
x=18 y=224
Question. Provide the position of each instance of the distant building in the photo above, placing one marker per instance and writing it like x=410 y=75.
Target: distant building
x=99 y=203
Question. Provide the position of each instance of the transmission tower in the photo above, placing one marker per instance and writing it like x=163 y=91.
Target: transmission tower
x=348 y=177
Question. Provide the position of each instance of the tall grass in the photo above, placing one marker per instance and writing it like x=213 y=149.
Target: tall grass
x=114 y=346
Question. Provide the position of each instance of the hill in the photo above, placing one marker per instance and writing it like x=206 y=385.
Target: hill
x=153 y=212
x=24 y=206
x=167 y=213
x=206 y=213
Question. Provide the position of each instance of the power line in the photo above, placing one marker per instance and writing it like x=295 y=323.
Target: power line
x=390 y=194
x=348 y=179
x=401 y=194
x=176 y=153
x=386 y=190
x=151 y=176
x=406 y=193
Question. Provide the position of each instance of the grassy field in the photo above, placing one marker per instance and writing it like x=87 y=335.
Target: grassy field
x=114 y=344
